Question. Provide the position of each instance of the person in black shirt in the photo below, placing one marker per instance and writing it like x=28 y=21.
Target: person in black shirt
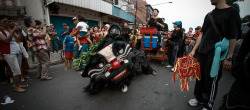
x=157 y=23
x=165 y=29
x=238 y=96
x=227 y=20
x=126 y=32
x=174 y=42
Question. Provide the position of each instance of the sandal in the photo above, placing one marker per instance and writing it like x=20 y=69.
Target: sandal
x=22 y=80
x=27 y=77
x=20 y=90
x=48 y=78
x=21 y=86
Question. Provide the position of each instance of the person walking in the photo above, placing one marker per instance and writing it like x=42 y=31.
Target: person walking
x=223 y=23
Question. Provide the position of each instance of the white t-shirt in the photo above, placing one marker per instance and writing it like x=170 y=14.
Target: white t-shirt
x=14 y=46
x=83 y=25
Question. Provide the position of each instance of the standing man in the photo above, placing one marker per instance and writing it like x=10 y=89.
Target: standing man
x=227 y=20
x=63 y=33
x=157 y=23
x=165 y=29
x=52 y=34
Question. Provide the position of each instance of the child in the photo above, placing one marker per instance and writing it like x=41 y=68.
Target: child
x=82 y=27
x=68 y=48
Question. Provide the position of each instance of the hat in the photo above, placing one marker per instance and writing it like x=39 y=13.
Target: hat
x=64 y=24
x=51 y=24
x=178 y=23
x=74 y=18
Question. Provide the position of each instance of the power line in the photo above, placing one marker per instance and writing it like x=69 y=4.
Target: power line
x=162 y=3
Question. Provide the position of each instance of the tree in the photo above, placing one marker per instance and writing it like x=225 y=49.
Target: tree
x=234 y=4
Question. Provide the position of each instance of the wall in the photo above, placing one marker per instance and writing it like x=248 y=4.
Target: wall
x=34 y=8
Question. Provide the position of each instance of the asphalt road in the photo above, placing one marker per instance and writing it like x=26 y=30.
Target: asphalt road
x=147 y=92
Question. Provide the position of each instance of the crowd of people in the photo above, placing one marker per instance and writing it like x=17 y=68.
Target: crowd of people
x=40 y=40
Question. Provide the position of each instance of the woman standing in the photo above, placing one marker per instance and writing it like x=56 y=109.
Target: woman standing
x=174 y=42
x=96 y=34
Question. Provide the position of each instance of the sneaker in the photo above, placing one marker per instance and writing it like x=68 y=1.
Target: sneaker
x=154 y=73
x=172 y=69
x=194 y=102
x=11 y=81
x=125 y=88
x=80 y=47
x=169 y=66
x=203 y=109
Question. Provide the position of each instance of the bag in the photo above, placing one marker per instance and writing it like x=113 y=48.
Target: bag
x=23 y=50
x=237 y=65
x=171 y=43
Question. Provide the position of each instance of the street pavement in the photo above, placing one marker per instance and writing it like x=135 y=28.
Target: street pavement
x=147 y=92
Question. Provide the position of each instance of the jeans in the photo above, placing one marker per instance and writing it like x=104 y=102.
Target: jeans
x=79 y=53
x=159 y=41
x=173 y=56
x=54 y=46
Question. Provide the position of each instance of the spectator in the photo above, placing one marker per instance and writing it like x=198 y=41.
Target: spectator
x=82 y=27
x=132 y=38
x=47 y=38
x=126 y=32
x=189 y=43
x=174 y=43
x=10 y=50
x=106 y=27
x=63 y=33
x=37 y=38
x=182 y=44
x=54 y=39
x=91 y=36
x=68 y=47
x=165 y=29
x=138 y=36
x=226 y=18
x=82 y=40
x=102 y=30
x=190 y=30
x=197 y=32
x=96 y=34
x=238 y=96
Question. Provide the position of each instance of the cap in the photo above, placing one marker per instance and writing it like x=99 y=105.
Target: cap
x=178 y=23
x=74 y=18
x=64 y=24
x=51 y=24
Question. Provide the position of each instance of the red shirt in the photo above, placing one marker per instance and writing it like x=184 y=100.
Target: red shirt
x=197 y=34
x=4 y=47
x=82 y=41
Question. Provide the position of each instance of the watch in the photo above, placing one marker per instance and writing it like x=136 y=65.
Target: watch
x=229 y=59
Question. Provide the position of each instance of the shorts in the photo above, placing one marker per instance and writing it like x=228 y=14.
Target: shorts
x=69 y=55
x=14 y=61
x=82 y=33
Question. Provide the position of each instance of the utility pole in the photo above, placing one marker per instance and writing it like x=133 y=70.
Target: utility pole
x=135 y=13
